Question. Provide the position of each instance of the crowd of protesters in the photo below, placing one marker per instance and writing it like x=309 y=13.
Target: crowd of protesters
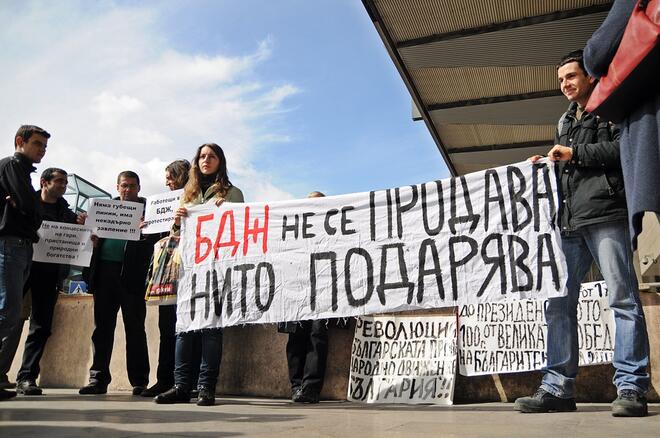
x=594 y=158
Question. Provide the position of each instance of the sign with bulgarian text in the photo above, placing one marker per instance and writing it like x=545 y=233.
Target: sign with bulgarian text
x=159 y=211
x=403 y=359
x=485 y=237
x=512 y=337
x=67 y=244
x=115 y=219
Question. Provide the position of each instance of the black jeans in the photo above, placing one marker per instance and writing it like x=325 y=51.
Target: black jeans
x=306 y=353
x=167 y=348
x=43 y=285
x=188 y=364
x=109 y=297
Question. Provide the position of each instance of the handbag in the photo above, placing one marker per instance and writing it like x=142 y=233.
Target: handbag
x=164 y=272
x=634 y=72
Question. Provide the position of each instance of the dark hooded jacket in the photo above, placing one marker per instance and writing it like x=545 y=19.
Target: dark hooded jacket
x=591 y=183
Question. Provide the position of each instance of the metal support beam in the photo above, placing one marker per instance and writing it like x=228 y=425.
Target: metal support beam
x=494 y=99
x=527 y=21
x=500 y=147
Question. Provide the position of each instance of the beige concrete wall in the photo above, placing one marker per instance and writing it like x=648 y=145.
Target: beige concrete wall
x=254 y=360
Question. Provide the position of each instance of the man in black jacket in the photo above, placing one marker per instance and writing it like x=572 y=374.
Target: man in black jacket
x=117 y=279
x=44 y=282
x=594 y=228
x=19 y=221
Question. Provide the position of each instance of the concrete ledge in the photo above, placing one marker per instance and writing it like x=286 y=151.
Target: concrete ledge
x=254 y=360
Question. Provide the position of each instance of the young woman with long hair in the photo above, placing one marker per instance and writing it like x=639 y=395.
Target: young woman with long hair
x=207 y=181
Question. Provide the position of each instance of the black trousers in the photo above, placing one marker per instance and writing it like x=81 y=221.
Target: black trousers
x=307 y=353
x=109 y=297
x=167 y=345
x=43 y=285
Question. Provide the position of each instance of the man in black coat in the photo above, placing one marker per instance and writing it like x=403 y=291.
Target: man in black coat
x=20 y=218
x=44 y=282
x=117 y=279
x=594 y=227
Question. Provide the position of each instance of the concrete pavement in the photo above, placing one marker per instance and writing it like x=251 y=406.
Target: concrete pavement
x=64 y=413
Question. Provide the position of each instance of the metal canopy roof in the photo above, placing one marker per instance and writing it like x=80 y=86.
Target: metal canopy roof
x=482 y=72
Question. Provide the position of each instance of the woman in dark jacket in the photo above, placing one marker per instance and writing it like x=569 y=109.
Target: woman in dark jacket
x=176 y=177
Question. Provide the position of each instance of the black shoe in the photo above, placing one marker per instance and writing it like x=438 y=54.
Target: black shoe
x=93 y=388
x=194 y=393
x=5 y=383
x=630 y=403
x=6 y=395
x=173 y=395
x=296 y=395
x=543 y=401
x=308 y=396
x=157 y=388
x=138 y=390
x=206 y=397
x=28 y=387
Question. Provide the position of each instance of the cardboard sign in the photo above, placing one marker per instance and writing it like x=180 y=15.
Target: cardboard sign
x=114 y=219
x=403 y=360
x=68 y=244
x=159 y=212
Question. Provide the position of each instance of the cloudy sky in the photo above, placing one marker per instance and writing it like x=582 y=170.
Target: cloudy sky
x=300 y=94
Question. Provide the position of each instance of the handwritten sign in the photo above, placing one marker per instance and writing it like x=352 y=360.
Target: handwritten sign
x=403 y=360
x=114 y=219
x=484 y=237
x=512 y=337
x=68 y=244
x=159 y=211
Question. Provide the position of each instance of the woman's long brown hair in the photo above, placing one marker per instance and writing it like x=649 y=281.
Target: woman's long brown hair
x=221 y=183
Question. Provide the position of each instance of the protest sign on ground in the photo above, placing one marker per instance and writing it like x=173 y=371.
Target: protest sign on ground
x=484 y=237
x=159 y=211
x=511 y=337
x=403 y=360
x=114 y=219
x=63 y=243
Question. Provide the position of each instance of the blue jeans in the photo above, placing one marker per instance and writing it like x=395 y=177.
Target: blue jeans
x=607 y=244
x=15 y=261
x=209 y=368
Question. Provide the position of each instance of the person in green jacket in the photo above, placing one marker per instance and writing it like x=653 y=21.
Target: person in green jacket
x=208 y=181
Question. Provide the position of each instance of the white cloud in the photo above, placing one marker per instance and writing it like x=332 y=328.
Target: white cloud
x=115 y=96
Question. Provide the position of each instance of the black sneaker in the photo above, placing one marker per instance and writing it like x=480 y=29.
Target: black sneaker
x=543 y=401
x=206 y=397
x=94 y=388
x=28 y=387
x=308 y=396
x=174 y=395
x=6 y=395
x=630 y=403
x=157 y=388
x=296 y=395
x=138 y=390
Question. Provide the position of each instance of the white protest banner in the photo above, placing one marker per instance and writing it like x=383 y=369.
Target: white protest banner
x=484 y=237
x=115 y=219
x=68 y=244
x=159 y=212
x=512 y=337
x=403 y=360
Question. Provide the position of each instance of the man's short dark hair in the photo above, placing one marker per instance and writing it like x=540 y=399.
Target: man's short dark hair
x=128 y=174
x=27 y=131
x=49 y=173
x=574 y=56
